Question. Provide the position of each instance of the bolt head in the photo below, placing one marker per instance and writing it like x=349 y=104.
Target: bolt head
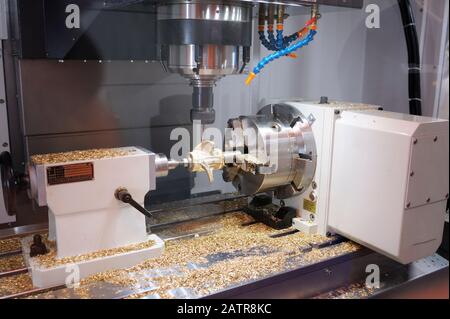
x=324 y=100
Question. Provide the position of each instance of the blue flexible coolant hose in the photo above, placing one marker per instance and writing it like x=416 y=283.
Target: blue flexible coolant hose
x=283 y=52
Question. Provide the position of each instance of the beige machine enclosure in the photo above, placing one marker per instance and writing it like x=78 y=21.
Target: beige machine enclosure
x=389 y=182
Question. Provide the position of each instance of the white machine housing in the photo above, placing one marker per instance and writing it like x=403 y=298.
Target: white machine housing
x=381 y=179
x=85 y=216
x=313 y=203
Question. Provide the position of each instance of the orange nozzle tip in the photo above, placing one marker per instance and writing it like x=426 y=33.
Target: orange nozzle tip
x=292 y=55
x=250 y=78
x=301 y=32
x=280 y=27
x=313 y=27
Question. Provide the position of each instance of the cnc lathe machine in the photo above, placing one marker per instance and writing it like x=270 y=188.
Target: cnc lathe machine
x=210 y=149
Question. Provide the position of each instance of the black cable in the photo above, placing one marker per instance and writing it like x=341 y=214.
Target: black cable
x=412 y=43
x=8 y=183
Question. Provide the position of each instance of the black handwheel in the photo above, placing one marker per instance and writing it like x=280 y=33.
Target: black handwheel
x=9 y=183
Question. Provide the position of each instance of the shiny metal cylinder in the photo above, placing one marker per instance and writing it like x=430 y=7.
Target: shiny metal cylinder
x=163 y=165
x=204 y=10
x=283 y=143
x=202 y=104
x=204 y=41
x=206 y=67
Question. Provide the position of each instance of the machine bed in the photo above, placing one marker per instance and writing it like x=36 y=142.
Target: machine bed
x=223 y=253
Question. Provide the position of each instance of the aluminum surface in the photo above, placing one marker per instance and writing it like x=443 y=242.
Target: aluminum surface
x=217 y=61
x=280 y=137
x=206 y=10
x=204 y=57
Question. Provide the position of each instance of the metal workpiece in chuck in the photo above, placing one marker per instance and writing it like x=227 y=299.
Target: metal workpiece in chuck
x=279 y=151
x=204 y=41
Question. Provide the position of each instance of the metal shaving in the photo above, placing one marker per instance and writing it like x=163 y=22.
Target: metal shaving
x=15 y=284
x=231 y=237
x=7 y=245
x=50 y=259
x=83 y=155
x=237 y=271
x=353 y=291
x=248 y=254
x=11 y=263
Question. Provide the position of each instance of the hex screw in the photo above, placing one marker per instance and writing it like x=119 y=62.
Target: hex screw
x=323 y=100
x=408 y=205
x=337 y=112
x=415 y=141
x=5 y=144
x=411 y=174
x=428 y=200
x=435 y=139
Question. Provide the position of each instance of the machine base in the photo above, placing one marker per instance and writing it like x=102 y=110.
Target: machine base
x=305 y=227
x=67 y=273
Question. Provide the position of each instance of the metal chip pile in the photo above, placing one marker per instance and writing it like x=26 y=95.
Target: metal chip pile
x=78 y=156
x=249 y=254
x=11 y=263
x=353 y=291
x=50 y=260
x=7 y=245
x=230 y=255
x=15 y=284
